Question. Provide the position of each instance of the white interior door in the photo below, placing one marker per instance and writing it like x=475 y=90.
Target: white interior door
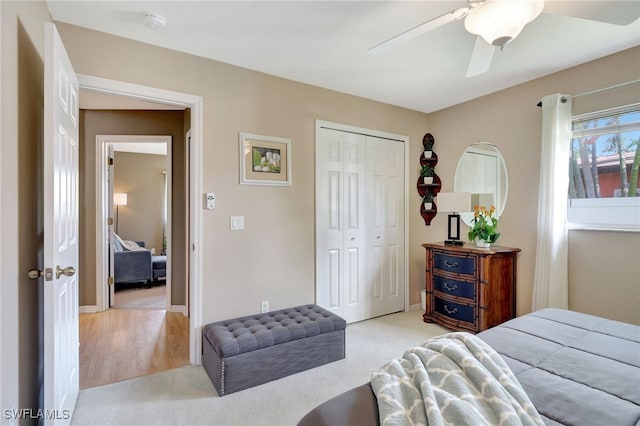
x=340 y=238
x=385 y=226
x=110 y=228
x=360 y=224
x=61 y=379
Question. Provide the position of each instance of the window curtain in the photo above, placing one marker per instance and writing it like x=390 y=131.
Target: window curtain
x=550 y=283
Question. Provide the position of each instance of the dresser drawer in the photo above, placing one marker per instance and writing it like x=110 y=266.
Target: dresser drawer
x=454 y=264
x=455 y=311
x=453 y=287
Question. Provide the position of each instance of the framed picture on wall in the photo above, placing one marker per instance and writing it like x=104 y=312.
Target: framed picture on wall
x=264 y=160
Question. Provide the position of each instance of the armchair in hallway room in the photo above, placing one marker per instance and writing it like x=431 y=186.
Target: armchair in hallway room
x=132 y=261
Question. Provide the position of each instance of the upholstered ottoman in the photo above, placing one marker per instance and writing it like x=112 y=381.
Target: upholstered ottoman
x=248 y=351
x=158 y=267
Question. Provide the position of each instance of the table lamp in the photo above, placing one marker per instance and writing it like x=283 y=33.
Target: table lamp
x=454 y=202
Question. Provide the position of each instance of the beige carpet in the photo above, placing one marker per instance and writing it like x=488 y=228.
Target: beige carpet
x=185 y=396
x=141 y=298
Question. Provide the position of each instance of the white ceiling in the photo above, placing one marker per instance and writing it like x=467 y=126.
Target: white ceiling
x=324 y=43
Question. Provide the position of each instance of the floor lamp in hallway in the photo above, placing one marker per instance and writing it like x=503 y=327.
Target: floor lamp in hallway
x=119 y=199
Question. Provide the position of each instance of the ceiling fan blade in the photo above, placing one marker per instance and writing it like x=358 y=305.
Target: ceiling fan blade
x=480 y=58
x=611 y=12
x=419 y=30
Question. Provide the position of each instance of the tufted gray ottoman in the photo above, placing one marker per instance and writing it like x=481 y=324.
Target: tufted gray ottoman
x=248 y=351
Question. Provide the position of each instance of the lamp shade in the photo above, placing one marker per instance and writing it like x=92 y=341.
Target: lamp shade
x=120 y=198
x=454 y=201
x=500 y=21
x=482 y=200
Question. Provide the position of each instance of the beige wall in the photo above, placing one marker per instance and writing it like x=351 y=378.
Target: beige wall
x=511 y=120
x=273 y=258
x=99 y=122
x=22 y=118
x=604 y=274
x=140 y=177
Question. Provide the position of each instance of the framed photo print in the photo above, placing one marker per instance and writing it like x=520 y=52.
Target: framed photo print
x=264 y=160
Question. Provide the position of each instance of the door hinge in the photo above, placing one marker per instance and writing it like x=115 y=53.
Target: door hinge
x=110 y=280
x=110 y=161
x=110 y=221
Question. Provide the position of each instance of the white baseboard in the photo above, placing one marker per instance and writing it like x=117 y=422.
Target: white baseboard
x=88 y=309
x=92 y=309
x=179 y=308
x=416 y=307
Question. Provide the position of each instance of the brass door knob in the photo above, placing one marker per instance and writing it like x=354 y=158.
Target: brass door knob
x=69 y=271
x=34 y=274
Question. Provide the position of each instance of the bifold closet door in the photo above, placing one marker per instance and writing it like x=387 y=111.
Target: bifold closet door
x=360 y=259
x=385 y=262
x=340 y=229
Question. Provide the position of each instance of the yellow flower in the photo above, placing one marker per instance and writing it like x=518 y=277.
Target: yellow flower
x=484 y=224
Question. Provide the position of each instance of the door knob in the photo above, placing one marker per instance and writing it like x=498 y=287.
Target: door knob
x=69 y=271
x=34 y=274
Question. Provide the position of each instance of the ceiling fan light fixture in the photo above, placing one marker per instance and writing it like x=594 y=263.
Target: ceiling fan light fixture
x=500 y=21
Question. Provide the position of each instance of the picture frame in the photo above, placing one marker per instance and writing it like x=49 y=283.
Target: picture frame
x=264 y=160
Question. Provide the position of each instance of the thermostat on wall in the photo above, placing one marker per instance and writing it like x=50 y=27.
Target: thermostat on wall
x=210 y=199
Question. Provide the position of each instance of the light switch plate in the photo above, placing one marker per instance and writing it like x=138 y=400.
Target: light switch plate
x=236 y=223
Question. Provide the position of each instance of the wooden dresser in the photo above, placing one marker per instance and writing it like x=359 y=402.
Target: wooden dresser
x=469 y=288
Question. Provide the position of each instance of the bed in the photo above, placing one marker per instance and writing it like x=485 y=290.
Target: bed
x=576 y=369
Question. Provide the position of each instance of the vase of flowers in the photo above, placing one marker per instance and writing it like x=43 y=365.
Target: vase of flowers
x=484 y=226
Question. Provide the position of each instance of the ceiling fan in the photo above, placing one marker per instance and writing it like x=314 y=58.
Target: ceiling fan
x=497 y=22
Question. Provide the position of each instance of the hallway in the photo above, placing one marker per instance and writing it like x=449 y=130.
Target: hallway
x=119 y=344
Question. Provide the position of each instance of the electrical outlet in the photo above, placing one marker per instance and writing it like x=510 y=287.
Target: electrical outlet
x=264 y=306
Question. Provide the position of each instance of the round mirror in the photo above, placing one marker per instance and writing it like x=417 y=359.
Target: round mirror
x=482 y=171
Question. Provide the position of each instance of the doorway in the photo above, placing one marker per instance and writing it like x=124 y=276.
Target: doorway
x=140 y=185
x=139 y=168
x=146 y=94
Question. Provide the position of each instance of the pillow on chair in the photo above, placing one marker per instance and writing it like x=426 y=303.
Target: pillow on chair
x=117 y=244
x=125 y=245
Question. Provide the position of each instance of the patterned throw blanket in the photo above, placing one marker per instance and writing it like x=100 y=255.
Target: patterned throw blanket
x=455 y=379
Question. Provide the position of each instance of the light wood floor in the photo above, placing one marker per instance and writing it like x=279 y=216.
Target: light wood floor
x=119 y=344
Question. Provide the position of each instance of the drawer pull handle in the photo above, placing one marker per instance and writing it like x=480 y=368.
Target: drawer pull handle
x=450 y=311
x=450 y=264
x=450 y=287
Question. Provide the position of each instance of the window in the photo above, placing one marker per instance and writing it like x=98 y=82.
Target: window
x=603 y=170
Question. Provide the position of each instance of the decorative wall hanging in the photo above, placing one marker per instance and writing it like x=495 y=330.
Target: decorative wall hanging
x=429 y=182
x=264 y=160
